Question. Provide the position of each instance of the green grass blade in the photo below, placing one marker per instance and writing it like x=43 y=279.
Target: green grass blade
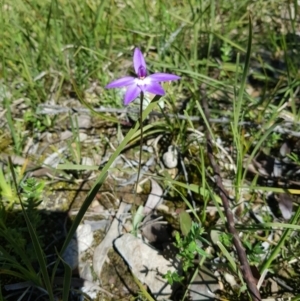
x=231 y=261
x=237 y=110
x=255 y=150
x=294 y=220
x=26 y=271
x=238 y=105
x=14 y=274
x=66 y=281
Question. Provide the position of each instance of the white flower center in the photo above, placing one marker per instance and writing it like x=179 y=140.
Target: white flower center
x=143 y=81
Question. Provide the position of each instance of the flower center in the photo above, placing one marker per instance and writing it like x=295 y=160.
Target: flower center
x=141 y=82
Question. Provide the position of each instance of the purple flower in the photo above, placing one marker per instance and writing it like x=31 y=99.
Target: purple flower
x=141 y=83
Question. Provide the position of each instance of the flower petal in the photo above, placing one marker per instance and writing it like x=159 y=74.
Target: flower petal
x=131 y=94
x=121 y=82
x=154 y=88
x=163 y=77
x=139 y=63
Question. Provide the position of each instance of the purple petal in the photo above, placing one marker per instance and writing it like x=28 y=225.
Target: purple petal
x=139 y=63
x=163 y=77
x=121 y=82
x=155 y=88
x=133 y=91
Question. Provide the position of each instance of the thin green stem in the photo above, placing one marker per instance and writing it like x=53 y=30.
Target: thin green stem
x=141 y=140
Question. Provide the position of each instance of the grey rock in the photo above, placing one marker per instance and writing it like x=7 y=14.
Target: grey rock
x=204 y=285
x=146 y=264
x=84 y=121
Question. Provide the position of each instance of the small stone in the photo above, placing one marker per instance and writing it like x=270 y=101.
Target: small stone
x=285 y=149
x=82 y=137
x=87 y=161
x=84 y=121
x=66 y=135
x=170 y=158
x=231 y=280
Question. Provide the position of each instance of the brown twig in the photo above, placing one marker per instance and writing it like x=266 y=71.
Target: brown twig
x=245 y=267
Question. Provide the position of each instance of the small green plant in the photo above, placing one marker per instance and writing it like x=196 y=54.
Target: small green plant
x=226 y=239
x=190 y=245
x=273 y=140
x=22 y=241
x=31 y=194
x=226 y=52
x=39 y=124
x=32 y=191
x=255 y=251
x=173 y=277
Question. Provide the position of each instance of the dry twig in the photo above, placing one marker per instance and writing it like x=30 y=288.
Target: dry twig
x=245 y=267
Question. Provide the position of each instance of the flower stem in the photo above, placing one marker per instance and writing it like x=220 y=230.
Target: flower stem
x=141 y=140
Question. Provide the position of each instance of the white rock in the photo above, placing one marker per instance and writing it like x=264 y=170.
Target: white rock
x=102 y=224
x=54 y=159
x=146 y=264
x=170 y=158
x=92 y=289
x=230 y=279
x=100 y=252
x=85 y=237
x=85 y=271
x=80 y=243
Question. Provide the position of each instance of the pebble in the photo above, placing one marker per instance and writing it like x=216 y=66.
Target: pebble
x=170 y=158
x=84 y=121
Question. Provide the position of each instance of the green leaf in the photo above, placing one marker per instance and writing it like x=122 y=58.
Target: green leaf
x=67 y=280
x=137 y=218
x=185 y=222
